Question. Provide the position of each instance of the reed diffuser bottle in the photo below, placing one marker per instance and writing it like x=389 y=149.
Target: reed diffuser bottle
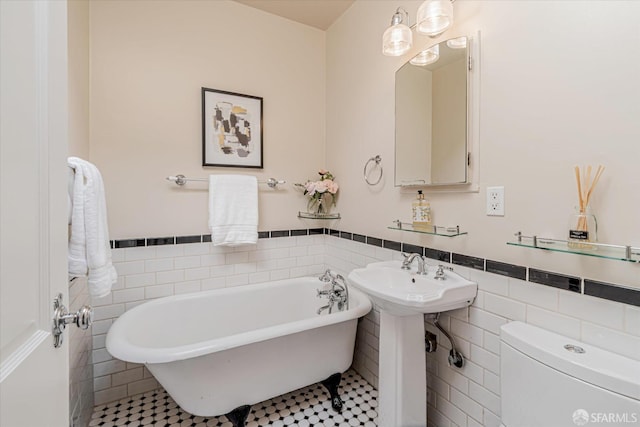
x=583 y=229
x=583 y=226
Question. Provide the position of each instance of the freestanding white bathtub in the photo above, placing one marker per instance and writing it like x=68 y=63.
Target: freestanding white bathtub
x=215 y=351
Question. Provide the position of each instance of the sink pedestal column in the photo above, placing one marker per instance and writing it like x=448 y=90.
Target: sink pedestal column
x=403 y=377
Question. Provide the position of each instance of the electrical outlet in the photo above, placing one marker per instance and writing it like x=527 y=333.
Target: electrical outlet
x=495 y=201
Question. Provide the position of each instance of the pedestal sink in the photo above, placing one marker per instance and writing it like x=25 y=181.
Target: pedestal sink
x=404 y=297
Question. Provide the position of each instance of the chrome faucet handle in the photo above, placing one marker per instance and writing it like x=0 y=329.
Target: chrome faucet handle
x=440 y=272
x=406 y=263
x=326 y=277
x=408 y=259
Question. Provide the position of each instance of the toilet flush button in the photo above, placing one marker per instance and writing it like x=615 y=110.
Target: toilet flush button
x=574 y=348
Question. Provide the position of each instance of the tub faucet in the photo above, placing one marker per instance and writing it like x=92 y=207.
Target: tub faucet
x=408 y=259
x=339 y=292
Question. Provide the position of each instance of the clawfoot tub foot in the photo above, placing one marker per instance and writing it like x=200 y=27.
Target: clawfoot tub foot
x=331 y=384
x=238 y=416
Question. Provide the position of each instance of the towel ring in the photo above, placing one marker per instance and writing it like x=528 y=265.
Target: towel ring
x=378 y=161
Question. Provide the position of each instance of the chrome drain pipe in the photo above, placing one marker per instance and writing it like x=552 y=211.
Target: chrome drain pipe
x=455 y=357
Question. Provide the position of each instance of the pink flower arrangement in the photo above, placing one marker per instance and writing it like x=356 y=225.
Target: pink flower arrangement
x=316 y=190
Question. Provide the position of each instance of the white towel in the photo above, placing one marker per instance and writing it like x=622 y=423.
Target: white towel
x=233 y=210
x=89 y=250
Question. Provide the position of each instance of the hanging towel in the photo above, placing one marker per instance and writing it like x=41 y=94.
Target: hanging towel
x=233 y=210
x=89 y=250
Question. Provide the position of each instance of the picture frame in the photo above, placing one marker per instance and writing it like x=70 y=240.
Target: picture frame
x=231 y=129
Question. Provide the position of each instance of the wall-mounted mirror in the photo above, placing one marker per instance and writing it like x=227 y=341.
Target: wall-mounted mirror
x=432 y=93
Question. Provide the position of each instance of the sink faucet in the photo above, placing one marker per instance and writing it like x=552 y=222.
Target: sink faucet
x=339 y=292
x=408 y=259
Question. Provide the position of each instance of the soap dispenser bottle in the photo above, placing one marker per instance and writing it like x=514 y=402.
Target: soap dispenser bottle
x=421 y=213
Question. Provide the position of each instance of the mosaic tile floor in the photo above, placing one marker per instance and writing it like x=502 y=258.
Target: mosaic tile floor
x=306 y=407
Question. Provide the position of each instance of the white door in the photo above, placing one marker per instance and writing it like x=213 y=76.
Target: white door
x=34 y=376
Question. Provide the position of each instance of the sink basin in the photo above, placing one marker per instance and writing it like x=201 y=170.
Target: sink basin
x=405 y=292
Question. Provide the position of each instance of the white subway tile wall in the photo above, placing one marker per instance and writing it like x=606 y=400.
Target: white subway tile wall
x=465 y=397
x=81 y=385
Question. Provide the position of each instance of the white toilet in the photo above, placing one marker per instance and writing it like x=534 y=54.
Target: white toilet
x=548 y=380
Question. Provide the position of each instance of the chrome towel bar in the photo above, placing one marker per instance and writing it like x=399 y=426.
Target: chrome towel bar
x=182 y=180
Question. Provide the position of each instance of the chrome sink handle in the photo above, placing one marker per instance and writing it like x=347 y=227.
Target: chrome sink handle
x=440 y=272
x=408 y=259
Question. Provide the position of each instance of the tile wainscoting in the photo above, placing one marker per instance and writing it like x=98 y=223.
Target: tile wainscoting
x=80 y=366
x=578 y=308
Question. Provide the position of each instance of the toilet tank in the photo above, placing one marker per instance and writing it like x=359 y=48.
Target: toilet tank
x=553 y=381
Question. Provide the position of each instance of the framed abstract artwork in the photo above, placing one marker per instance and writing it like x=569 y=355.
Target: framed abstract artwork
x=231 y=129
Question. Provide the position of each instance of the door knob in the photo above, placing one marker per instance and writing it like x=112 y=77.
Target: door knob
x=83 y=318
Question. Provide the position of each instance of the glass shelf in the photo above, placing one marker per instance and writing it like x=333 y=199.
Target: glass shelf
x=433 y=230
x=313 y=215
x=598 y=250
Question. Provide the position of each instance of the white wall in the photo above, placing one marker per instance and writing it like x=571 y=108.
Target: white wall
x=149 y=60
x=78 y=47
x=80 y=360
x=555 y=93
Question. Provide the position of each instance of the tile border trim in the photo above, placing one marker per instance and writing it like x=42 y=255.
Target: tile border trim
x=585 y=286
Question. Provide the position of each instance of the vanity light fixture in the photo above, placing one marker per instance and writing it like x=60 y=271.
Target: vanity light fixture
x=427 y=56
x=434 y=17
x=457 y=43
x=397 y=39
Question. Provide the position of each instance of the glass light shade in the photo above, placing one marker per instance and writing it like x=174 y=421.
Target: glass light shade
x=457 y=43
x=434 y=17
x=427 y=56
x=396 y=40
